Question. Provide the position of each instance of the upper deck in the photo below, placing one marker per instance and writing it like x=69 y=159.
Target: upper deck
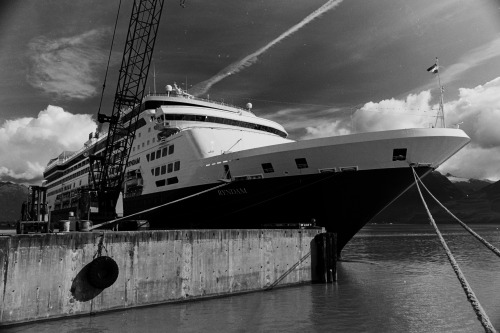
x=190 y=107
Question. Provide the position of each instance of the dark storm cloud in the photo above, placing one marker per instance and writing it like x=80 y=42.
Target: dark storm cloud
x=312 y=82
x=250 y=59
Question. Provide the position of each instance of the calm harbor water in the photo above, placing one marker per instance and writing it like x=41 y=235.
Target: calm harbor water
x=395 y=278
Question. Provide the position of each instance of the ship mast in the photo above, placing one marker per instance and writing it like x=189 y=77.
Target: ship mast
x=440 y=115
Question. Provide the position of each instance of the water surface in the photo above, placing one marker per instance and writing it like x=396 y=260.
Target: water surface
x=395 y=278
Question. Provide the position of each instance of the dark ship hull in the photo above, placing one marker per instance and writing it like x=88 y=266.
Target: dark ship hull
x=341 y=202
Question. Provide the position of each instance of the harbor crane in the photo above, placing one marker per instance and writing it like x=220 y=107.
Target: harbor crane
x=107 y=168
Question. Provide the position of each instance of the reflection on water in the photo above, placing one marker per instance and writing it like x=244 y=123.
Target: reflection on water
x=397 y=279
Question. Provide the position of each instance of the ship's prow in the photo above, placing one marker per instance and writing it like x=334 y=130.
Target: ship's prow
x=451 y=141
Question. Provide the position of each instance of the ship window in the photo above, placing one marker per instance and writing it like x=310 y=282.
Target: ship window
x=138 y=147
x=143 y=145
x=399 y=154
x=172 y=180
x=301 y=163
x=177 y=165
x=158 y=153
x=170 y=167
x=157 y=171
x=163 y=169
x=148 y=143
x=149 y=130
x=139 y=134
x=153 y=171
x=152 y=156
x=164 y=152
x=227 y=171
x=171 y=149
x=160 y=183
x=267 y=167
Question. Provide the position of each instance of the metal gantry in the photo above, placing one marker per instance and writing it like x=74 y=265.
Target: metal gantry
x=108 y=168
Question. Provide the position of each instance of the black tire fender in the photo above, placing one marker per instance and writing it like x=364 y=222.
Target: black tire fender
x=103 y=272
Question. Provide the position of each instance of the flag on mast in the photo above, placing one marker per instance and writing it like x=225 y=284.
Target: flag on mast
x=433 y=69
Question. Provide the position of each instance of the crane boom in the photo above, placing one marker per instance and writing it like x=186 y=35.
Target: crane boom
x=108 y=168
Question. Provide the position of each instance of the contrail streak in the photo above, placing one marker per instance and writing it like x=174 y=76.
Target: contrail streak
x=249 y=60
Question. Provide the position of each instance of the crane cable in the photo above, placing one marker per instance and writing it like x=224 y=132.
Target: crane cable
x=478 y=309
x=99 y=125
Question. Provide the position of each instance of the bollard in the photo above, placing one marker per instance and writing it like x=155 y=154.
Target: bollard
x=64 y=226
x=85 y=225
x=326 y=257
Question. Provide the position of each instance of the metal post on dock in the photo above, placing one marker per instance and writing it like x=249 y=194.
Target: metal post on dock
x=325 y=257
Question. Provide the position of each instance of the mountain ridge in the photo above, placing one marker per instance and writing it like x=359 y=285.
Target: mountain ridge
x=12 y=196
x=475 y=201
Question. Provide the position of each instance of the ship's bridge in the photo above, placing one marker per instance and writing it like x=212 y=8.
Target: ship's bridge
x=176 y=105
x=168 y=116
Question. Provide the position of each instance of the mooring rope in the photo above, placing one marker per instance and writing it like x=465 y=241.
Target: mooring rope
x=465 y=226
x=153 y=208
x=478 y=309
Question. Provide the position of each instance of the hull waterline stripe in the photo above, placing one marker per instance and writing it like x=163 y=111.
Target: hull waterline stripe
x=153 y=208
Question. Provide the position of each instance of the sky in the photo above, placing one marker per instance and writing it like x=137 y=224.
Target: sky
x=319 y=68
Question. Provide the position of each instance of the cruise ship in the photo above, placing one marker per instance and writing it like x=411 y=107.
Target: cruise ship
x=198 y=163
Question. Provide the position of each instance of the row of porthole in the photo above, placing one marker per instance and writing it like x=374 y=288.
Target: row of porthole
x=166 y=168
x=168 y=181
x=138 y=135
x=301 y=163
x=168 y=150
x=65 y=179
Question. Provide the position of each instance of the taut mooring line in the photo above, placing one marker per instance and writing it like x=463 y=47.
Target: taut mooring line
x=478 y=309
x=465 y=226
x=153 y=208
x=291 y=269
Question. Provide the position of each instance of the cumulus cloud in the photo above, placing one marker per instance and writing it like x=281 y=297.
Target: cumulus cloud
x=27 y=144
x=477 y=110
x=474 y=161
x=66 y=67
x=414 y=111
x=313 y=120
x=336 y=127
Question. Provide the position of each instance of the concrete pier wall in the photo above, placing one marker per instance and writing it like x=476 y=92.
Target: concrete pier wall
x=43 y=276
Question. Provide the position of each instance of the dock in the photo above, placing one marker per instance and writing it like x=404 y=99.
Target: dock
x=52 y=275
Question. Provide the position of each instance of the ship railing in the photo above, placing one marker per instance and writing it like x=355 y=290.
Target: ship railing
x=201 y=100
x=75 y=154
